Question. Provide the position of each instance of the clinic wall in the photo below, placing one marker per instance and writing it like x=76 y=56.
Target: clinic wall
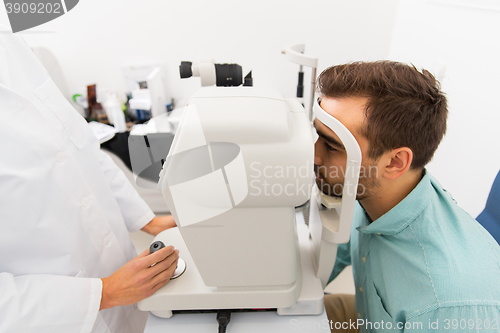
x=96 y=37
x=460 y=44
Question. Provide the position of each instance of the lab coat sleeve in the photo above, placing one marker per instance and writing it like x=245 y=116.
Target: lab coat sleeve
x=48 y=303
x=134 y=209
x=343 y=260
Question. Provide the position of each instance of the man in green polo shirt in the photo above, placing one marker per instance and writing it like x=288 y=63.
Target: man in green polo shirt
x=420 y=263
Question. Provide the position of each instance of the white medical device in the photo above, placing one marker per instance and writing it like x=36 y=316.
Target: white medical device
x=295 y=53
x=241 y=161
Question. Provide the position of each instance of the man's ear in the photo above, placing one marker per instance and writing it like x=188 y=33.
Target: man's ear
x=396 y=162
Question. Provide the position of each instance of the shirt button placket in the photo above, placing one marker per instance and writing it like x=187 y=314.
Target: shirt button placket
x=365 y=249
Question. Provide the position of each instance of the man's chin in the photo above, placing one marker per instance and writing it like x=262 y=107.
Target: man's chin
x=327 y=189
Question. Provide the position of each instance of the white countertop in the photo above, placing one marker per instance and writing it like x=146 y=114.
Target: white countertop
x=241 y=322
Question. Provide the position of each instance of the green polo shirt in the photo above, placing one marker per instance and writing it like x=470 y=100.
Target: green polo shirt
x=424 y=266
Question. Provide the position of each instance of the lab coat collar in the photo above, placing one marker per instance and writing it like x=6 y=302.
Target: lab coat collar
x=38 y=74
x=404 y=213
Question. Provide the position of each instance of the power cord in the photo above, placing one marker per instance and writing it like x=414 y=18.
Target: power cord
x=223 y=318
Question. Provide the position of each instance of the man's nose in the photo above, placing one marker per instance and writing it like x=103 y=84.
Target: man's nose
x=318 y=160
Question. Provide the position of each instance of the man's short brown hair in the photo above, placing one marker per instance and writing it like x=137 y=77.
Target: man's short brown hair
x=405 y=108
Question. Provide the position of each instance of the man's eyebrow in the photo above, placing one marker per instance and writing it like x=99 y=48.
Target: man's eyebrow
x=331 y=140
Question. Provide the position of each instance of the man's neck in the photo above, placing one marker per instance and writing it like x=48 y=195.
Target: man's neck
x=390 y=193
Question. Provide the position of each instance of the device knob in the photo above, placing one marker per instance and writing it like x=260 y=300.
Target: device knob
x=185 y=69
x=156 y=246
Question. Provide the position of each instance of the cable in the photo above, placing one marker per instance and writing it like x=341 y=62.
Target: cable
x=223 y=318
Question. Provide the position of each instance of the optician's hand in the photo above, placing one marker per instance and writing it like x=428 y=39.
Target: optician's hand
x=138 y=279
x=158 y=224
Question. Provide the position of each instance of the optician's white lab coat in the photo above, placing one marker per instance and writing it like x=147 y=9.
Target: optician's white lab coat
x=65 y=209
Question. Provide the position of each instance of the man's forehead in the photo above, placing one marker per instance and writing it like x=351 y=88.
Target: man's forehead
x=350 y=111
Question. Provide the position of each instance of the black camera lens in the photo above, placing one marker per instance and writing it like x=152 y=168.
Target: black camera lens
x=228 y=75
x=185 y=69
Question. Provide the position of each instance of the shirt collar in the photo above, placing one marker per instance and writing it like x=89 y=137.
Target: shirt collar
x=404 y=213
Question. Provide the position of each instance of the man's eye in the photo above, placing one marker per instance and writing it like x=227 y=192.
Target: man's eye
x=329 y=148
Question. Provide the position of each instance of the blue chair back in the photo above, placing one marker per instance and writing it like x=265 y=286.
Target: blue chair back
x=490 y=217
